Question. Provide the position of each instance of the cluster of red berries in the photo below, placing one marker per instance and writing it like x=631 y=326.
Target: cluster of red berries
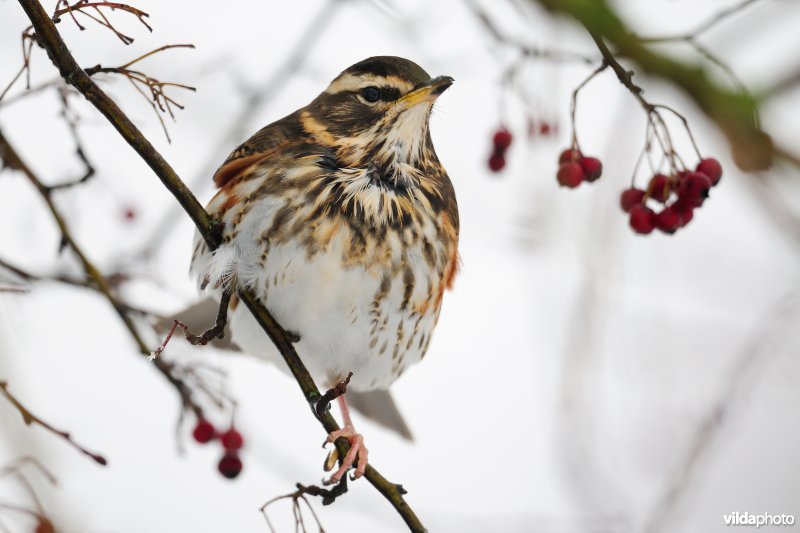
x=574 y=168
x=232 y=441
x=500 y=143
x=679 y=194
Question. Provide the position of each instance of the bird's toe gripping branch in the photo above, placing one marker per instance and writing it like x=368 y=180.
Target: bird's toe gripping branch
x=357 y=454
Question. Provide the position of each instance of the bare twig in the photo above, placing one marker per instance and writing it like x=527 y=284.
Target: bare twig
x=573 y=103
x=328 y=497
x=34 y=90
x=215 y=332
x=75 y=76
x=86 y=8
x=158 y=99
x=72 y=123
x=16 y=465
x=85 y=283
x=31 y=418
x=525 y=49
x=340 y=389
x=13 y=160
x=704 y=26
x=93 y=11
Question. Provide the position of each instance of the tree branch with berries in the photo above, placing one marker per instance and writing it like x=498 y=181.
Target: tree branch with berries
x=678 y=184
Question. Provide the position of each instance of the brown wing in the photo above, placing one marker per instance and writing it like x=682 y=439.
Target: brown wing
x=258 y=147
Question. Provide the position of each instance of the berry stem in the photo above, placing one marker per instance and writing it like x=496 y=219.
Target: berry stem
x=574 y=101
x=685 y=125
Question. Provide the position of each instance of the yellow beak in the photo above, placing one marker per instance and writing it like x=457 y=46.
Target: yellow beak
x=427 y=92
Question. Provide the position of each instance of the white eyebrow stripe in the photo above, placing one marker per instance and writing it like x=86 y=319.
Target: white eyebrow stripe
x=352 y=82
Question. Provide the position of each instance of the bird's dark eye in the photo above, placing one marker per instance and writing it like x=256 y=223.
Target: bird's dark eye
x=371 y=94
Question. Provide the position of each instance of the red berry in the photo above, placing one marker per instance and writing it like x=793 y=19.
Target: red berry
x=230 y=465
x=570 y=175
x=204 y=431
x=668 y=220
x=685 y=210
x=694 y=188
x=232 y=440
x=569 y=156
x=545 y=128
x=711 y=168
x=659 y=188
x=630 y=198
x=502 y=139
x=592 y=167
x=642 y=219
x=497 y=161
x=129 y=213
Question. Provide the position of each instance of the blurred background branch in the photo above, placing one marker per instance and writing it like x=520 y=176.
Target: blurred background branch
x=734 y=112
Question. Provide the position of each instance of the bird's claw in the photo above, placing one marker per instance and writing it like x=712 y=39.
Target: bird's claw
x=357 y=455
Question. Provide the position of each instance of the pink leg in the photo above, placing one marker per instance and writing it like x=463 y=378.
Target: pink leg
x=357 y=449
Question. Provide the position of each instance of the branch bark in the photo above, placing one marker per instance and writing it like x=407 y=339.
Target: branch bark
x=59 y=54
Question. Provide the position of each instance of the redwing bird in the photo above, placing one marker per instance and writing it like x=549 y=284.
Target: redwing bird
x=343 y=222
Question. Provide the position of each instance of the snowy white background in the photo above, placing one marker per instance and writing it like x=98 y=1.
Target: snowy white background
x=573 y=366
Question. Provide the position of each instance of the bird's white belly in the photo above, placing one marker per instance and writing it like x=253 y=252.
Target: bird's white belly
x=348 y=319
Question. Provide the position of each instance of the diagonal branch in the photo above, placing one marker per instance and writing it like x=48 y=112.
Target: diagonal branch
x=11 y=158
x=31 y=418
x=69 y=69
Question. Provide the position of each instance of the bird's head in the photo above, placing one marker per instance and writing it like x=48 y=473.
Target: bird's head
x=375 y=114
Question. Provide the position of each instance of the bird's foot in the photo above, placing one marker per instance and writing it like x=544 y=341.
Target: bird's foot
x=357 y=454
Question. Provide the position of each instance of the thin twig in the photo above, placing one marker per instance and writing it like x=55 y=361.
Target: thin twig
x=328 y=497
x=86 y=283
x=80 y=152
x=158 y=99
x=704 y=26
x=19 y=463
x=30 y=418
x=13 y=160
x=573 y=103
x=29 y=37
x=527 y=50
x=75 y=76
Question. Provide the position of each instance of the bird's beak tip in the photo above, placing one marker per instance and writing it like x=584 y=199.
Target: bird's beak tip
x=440 y=84
x=428 y=91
